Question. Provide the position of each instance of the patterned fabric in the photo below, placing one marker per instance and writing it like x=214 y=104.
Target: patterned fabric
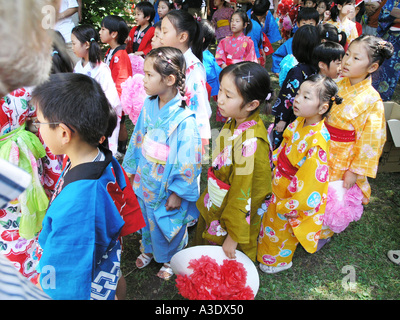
x=231 y=50
x=387 y=77
x=295 y=213
x=221 y=19
x=196 y=93
x=21 y=219
x=238 y=183
x=361 y=110
x=158 y=174
x=283 y=107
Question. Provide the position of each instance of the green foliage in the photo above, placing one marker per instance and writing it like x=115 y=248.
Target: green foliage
x=94 y=11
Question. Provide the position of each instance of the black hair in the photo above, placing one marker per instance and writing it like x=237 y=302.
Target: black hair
x=170 y=61
x=169 y=4
x=86 y=33
x=208 y=33
x=328 y=92
x=327 y=52
x=328 y=32
x=335 y=11
x=61 y=59
x=305 y=40
x=307 y=13
x=148 y=10
x=378 y=49
x=183 y=21
x=116 y=24
x=361 y=11
x=76 y=100
x=260 y=8
x=245 y=18
x=251 y=80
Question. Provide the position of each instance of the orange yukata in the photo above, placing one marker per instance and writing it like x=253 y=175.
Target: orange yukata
x=299 y=187
x=362 y=115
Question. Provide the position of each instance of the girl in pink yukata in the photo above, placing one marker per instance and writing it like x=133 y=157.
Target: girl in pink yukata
x=237 y=47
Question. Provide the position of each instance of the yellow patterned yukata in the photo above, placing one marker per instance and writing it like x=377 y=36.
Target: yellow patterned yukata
x=238 y=183
x=361 y=111
x=299 y=187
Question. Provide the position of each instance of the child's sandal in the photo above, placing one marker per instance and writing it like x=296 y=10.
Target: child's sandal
x=165 y=272
x=145 y=259
x=394 y=256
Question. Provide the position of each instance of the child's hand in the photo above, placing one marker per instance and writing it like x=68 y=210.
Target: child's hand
x=229 y=247
x=280 y=126
x=173 y=202
x=349 y=179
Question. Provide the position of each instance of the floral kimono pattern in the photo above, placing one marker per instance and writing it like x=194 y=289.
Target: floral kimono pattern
x=231 y=50
x=362 y=111
x=196 y=94
x=386 y=79
x=164 y=155
x=21 y=219
x=238 y=183
x=300 y=186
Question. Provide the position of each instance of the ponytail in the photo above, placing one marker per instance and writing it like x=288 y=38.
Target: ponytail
x=185 y=22
x=86 y=33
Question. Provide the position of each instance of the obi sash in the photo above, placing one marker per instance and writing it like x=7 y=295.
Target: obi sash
x=155 y=151
x=340 y=135
x=222 y=23
x=285 y=167
x=217 y=189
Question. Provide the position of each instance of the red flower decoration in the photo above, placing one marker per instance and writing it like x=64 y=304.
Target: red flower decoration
x=210 y=281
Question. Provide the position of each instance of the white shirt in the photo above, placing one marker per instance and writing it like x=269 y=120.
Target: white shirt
x=65 y=26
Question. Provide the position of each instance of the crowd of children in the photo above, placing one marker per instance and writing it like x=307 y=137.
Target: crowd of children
x=267 y=190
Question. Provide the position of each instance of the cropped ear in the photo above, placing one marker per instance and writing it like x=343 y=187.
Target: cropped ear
x=323 y=108
x=183 y=37
x=251 y=106
x=373 y=67
x=65 y=133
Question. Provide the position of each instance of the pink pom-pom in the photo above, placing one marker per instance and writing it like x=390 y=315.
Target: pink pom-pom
x=339 y=214
x=133 y=96
x=137 y=63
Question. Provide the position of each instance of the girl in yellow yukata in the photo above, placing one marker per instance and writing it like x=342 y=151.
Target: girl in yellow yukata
x=300 y=184
x=240 y=177
x=357 y=127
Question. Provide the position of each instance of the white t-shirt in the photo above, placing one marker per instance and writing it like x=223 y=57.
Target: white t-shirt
x=65 y=26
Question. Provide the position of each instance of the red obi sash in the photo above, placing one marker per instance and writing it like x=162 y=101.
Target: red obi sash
x=340 y=135
x=285 y=167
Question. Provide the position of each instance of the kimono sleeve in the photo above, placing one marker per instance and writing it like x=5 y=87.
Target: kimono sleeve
x=235 y=218
x=369 y=143
x=220 y=53
x=250 y=52
x=186 y=161
x=121 y=69
x=309 y=186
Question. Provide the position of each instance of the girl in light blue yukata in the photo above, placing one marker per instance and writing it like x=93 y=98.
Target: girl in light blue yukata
x=164 y=159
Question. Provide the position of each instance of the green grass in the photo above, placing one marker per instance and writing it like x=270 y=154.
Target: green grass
x=358 y=253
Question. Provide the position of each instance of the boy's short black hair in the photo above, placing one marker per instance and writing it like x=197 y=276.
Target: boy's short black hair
x=147 y=9
x=327 y=52
x=307 y=13
x=76 y=100
x=116 y=24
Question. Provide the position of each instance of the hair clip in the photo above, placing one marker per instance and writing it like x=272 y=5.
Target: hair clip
x=169 y=61
x=247 y=77
x=54 y=52
x=92 y=40
x=333 y=98
x=381 y=44
x=268 y=96
x=327 y=34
